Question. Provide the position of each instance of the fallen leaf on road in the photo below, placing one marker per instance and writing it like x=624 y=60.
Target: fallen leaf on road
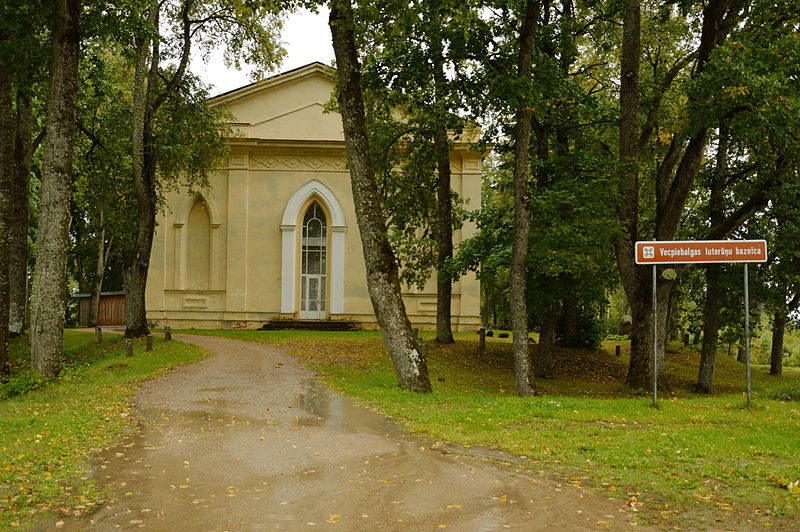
x=633 y=502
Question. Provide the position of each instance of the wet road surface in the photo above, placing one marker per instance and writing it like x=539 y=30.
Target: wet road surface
x=247 y=440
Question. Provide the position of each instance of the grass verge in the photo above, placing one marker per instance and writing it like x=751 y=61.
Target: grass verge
x=697 y=461
x=49 y=430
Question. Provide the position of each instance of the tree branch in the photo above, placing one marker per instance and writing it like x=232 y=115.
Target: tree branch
x=184 y=62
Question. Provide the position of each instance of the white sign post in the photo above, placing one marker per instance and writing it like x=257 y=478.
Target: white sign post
x=700 y=251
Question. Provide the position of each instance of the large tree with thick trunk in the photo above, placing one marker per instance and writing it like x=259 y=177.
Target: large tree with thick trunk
x=383 y=280
x=22 y=48
x=674 y=179
x=523 y=366
x=143 y=170
x=714 y=287
x=719 y=78
x=48 y=295
x=24 y=146
x=6 y=178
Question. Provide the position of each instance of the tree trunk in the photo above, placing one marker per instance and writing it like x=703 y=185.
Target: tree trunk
x=143 y=173
x=48 y=295
x=547 y=332
x=569 y=320
x=708 y=354
x=444 y=285
x=6 y=177
x=18 y=265
x=640 y=370
x=713 y=306
x=444 y=203
x=103 y=251
x=383 y=279
x=136 y=269
x=640 y=365
x=523 y=367
x=776 y=353
x=636 y=281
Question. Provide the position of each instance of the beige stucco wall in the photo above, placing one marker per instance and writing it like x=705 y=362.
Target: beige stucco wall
x=286 y=142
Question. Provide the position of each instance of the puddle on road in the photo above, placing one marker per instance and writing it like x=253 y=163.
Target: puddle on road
x=334 y=411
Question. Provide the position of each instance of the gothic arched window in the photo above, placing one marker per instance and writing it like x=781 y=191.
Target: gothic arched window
x=313 y=263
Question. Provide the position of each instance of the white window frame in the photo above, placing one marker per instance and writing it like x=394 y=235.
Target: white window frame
x=290 y=224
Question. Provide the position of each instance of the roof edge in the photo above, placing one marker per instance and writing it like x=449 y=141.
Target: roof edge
x=272 y=81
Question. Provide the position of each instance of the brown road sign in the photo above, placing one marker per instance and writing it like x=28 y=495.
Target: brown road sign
x=693 y=251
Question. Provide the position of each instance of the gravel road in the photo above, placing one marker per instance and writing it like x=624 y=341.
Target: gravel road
x=248 y=440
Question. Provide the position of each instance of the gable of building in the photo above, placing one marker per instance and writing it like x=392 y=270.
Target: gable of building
x=290 y=106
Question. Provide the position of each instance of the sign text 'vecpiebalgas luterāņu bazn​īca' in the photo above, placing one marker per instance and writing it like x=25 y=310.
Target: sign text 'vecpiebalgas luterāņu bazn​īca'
x=698 y=251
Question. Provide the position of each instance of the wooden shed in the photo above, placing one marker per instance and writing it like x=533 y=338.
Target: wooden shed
x=111 y=311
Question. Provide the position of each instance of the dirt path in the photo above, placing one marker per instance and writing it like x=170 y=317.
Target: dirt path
x=247 y=440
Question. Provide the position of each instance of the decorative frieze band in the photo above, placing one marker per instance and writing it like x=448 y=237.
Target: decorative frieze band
x=294 y=162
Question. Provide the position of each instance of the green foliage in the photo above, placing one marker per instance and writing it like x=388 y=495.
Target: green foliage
x=572 y=229
x=24 y=48
x=190 y=136
x=591 y=330
x=19 y=384
x=570 y=250
x=102 y=192
x=247 y=31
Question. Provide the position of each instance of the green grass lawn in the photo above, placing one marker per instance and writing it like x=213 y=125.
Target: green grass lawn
x=697 y=461
x=50 y=430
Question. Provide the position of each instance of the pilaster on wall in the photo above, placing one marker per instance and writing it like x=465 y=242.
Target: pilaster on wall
x=288 y=268
x=337 y=269
x=156 y=276
x=470 y=288
x=238 y=214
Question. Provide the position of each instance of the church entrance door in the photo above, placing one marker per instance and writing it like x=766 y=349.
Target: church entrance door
x=313 y=298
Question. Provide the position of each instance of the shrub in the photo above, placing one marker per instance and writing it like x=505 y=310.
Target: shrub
x=20 y=384
x=787 y=393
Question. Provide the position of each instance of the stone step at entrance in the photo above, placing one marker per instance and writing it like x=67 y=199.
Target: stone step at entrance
x=310 y=325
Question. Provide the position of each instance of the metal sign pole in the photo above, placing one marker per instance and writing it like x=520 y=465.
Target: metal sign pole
x=747 y=331
x=655 y=339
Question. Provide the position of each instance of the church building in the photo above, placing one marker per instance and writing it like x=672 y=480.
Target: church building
x=275 y=236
